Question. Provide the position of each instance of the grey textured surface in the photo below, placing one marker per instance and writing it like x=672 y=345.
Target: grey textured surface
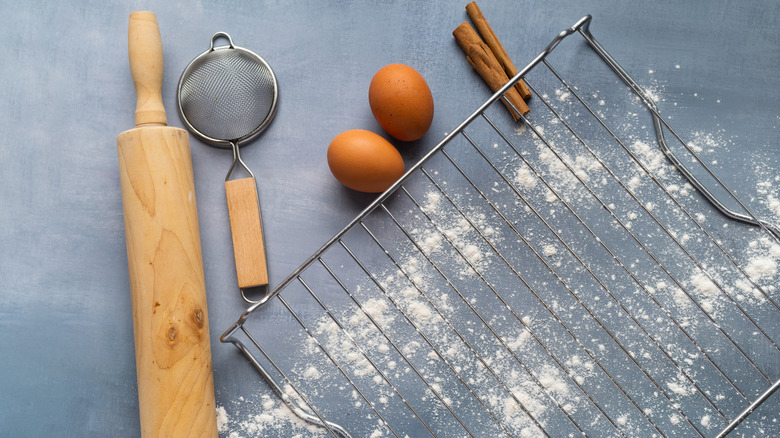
x=66 y=345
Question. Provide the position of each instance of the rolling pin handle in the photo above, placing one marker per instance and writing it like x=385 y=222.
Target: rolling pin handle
x=146 y=65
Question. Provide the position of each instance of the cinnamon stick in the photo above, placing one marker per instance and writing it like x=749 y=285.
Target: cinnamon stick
x=466 y=36
x=481 y=58
x=490 y=38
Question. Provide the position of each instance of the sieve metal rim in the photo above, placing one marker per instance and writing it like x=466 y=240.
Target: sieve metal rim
x=227 y=143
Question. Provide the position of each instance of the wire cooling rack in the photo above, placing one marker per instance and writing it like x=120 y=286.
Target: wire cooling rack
x=581 y=272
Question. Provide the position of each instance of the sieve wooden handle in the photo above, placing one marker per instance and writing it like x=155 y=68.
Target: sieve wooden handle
x=247 y=231
x=167 y=286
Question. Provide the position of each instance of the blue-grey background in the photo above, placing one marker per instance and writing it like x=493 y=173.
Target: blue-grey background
x=66 y=344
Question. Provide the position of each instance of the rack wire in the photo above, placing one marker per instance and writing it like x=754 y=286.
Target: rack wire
x=582 y=272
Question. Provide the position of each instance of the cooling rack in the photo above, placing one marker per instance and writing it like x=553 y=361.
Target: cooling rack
x=581 y=272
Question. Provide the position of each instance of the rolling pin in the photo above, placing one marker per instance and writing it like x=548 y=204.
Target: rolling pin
x=170 y=319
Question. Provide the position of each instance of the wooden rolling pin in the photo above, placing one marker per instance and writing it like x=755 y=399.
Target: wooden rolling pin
x=170 y=320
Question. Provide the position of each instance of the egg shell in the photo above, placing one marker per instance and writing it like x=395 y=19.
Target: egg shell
x=364 y=161
x=401 y=102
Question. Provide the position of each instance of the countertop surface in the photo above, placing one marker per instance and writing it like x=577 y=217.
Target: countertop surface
x=67 y=365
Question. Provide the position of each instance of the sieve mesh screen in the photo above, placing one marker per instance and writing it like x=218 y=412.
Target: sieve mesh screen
x=228 y=94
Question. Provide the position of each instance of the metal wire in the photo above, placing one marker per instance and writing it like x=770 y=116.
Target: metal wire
x=227 y=93
x=466 y=301
x=227 y=96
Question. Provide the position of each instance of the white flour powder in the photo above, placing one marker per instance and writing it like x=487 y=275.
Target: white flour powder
x=261 y=416
x=417 y=291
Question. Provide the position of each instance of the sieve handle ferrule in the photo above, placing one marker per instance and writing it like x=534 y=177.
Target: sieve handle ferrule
x=247 y=233
x=146 y=65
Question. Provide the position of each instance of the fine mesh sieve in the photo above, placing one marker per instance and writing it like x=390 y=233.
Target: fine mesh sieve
x=227 y=96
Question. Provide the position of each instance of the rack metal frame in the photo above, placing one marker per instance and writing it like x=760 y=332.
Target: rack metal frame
x=653 y=370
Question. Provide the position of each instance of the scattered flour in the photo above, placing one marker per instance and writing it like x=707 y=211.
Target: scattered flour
x=255 y=418
x=311 y=373
x=525 y=179
x=222 y=419
x=411 y=288
x=562 y=95
x=760 y=267
x=703 y=285
x=681 y=386
x=774 y=205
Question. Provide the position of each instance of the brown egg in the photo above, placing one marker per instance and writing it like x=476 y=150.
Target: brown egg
x=401 y=102
x=364 y=161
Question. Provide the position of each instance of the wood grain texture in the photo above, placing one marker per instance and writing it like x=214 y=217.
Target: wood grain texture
x=167 y=285
x=170 y=317
x=247 y=231
x=146 y=65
